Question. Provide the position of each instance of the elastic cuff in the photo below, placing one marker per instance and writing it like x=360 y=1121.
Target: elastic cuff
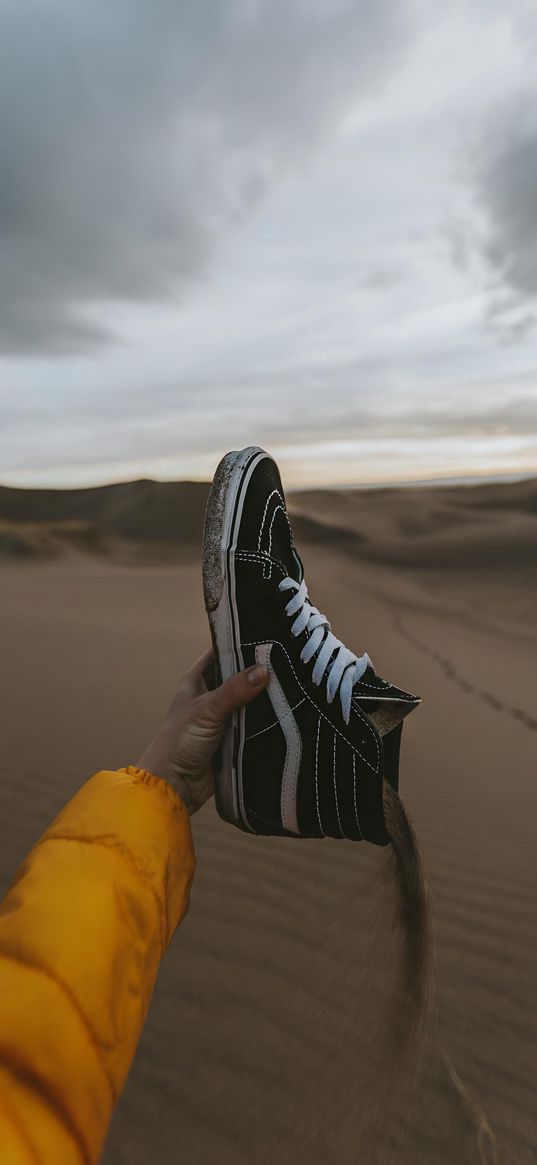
x=152 y=781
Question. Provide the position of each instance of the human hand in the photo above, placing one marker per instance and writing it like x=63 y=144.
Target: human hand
x=183 y=750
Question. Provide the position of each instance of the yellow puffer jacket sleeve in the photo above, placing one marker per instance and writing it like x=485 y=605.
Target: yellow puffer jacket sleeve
x=82 y=931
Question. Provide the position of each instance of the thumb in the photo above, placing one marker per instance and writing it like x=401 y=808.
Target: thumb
x=235 y=692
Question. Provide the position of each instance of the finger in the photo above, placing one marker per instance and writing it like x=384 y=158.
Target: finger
x=234 y=693
x=194 y=682
x=209 y=673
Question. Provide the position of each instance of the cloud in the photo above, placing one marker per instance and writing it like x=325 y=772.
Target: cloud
x=166 y=421
x=135 y=135
x=506 y=182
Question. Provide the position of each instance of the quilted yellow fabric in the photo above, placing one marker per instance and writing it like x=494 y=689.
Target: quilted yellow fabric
x=83 y=928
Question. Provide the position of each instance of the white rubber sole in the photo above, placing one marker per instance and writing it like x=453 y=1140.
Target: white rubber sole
x=222 y=523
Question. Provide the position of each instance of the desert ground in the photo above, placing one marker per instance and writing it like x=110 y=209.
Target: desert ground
x=264 y=1019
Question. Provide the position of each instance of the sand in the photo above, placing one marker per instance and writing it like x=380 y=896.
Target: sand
x=259 y=1038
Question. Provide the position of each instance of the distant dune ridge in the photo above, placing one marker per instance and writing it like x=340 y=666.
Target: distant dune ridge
x=108 y=519
x=425 y=527
x=433 y=526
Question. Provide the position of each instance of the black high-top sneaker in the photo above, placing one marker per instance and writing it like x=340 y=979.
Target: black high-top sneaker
x=308 y=757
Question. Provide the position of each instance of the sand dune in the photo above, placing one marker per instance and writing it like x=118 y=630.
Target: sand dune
x=445 y=526
x=426 y=527
x=260 y=1044
x=110 y=519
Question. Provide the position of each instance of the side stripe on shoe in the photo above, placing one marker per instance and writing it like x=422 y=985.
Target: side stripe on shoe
x=293 y=740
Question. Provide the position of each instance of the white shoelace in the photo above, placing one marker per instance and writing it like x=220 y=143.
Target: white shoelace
x=346 y=668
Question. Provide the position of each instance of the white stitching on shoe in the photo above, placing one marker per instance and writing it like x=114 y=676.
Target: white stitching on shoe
x=276 y=511
x=354 y=784
x=267 y=573
x=283 y=508
x=335 y=789
x=317 y=776
x=399 y=699
x=264 y=518
x=269 y=551
x=358 y=711
x=275 y=722
x=251 y=556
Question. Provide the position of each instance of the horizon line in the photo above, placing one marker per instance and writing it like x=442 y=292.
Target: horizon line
x=388 y=483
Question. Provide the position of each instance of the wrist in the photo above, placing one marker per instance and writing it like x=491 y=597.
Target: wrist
x=156 y=761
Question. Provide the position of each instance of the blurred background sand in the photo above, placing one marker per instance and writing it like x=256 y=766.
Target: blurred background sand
x=268 y=1004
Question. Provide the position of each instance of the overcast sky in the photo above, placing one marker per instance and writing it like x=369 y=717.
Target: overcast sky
x=306 y=224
